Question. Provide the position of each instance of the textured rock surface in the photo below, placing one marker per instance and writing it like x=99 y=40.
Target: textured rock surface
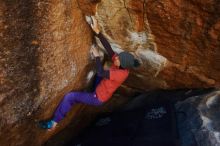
x=44 y=53
x=187 y=34
x=200 y=123
x=125 y=24
x=178 y=41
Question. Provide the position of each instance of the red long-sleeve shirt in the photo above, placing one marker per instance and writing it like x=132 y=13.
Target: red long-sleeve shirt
x=107 y=87
x=112 y=78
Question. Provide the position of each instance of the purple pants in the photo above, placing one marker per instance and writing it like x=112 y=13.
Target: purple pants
x=70 y=99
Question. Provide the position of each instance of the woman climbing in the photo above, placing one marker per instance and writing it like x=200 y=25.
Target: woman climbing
x=111 y=80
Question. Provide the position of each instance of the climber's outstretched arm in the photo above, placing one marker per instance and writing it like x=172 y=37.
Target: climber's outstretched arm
x=103 y=40
x=106 y=44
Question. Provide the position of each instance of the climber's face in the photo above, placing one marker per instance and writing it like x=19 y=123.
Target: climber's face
x=117 y=61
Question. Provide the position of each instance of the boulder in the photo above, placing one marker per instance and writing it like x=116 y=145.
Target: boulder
x=45 y=54
x=198 y=120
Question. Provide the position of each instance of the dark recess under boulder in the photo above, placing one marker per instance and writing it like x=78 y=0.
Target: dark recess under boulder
x=149 y=119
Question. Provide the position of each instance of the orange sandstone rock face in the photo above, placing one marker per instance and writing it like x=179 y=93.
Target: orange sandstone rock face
x=45 y=44
x=187 y=34
x=177 y=41
x=43 y=55
x=125 y=25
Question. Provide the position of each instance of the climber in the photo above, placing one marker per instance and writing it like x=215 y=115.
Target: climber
x=111 y=80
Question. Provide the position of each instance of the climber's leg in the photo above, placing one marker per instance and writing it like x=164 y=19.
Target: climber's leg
x=67 y=103
x=71 y=99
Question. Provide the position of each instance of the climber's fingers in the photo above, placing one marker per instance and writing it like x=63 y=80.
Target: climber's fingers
x=94 y=21
x=94 y=25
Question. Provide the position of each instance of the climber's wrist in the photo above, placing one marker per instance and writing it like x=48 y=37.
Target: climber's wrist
x=97 y=31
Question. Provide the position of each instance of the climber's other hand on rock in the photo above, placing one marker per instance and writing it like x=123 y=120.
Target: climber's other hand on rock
x=95 y=51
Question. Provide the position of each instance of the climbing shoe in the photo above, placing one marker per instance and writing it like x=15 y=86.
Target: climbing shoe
x=46 y=124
